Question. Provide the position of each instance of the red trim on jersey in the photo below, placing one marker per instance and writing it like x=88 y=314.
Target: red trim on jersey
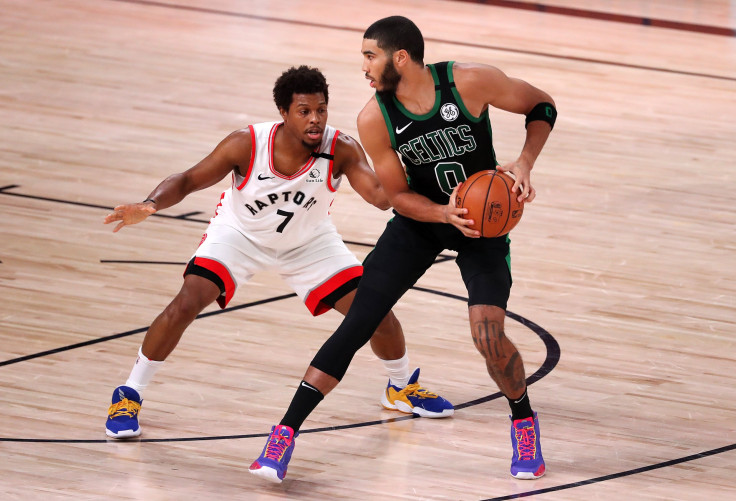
x=219 y=203
x=269 y=145
x=332 y=152
x=252 y=158
x=314 y=299
x=218 y=269
x=304 y=168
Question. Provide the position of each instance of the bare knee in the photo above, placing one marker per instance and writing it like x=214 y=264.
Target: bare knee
x=387 y=341
x=389 y=326
x=182 y=308
x=196 y=293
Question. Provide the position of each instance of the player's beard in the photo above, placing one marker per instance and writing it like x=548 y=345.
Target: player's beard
x=390 y=78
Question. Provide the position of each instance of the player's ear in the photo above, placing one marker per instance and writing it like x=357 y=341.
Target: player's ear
x=284 y=113
x=401 y=57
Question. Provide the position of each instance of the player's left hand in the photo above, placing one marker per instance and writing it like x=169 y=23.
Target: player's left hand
x=456 y=216
x=129 y=214
x=522 y=170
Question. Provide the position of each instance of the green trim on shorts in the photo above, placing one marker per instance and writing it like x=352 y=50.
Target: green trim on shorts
x=508 y=256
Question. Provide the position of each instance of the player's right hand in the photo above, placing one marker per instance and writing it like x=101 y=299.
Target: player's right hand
x=454 y=216
x=129 y=214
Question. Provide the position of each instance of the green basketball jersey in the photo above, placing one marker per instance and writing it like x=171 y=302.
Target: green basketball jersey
x=443 y=147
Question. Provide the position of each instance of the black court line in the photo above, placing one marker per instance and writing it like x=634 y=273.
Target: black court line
x=609 y=16
x=4 y=191
x=181 y=217
x=440 y=259
x=190 y=214
x=643 y=469
x=511 y=4
x=550 y=362
x=136 y=331
x=138 y=261
x=551 y=55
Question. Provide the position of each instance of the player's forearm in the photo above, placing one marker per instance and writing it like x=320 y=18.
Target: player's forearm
x=376 y=197
x=418 y=207
x=170 y=191
x=536 y=137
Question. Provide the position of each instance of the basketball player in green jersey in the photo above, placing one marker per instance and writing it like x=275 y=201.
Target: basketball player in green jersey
x=426 y=130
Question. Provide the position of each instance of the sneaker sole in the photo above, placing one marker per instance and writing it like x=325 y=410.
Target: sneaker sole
x=528 y=475
x=433 y=415
x=525 y=475
x=123 y=433
x=266 y=473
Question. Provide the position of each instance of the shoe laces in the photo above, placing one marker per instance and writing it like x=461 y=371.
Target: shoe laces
x=415 y=390
x=276 y=446
x=526 y=439
x=124 y=408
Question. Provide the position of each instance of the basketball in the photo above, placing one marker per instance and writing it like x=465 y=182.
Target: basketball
x=490 y=202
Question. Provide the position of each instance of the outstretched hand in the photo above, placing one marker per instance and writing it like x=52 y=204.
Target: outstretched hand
x=454 y=216
x=129 y=214
x=522 y=171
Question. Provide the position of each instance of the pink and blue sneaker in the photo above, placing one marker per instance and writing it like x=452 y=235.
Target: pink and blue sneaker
x=274 y=460
x=527 y=461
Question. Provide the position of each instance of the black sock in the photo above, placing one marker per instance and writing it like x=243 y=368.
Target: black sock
x=520 y=407
x=306 y=398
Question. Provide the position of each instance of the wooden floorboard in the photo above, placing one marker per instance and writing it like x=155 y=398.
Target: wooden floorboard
x=624 y=272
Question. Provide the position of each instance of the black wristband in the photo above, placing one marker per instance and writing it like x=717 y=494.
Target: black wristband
x=546 y=112
x=148 y=200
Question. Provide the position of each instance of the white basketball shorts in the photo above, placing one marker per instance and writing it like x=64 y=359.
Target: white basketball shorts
x=313 y=270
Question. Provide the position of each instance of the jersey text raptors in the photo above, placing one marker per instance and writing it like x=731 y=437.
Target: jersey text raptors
x=274 y=210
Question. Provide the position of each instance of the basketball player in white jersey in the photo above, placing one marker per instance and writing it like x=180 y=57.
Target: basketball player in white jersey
x=274 y=216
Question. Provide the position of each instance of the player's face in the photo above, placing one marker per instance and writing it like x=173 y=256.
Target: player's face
x=306 y=118
x=379 y=68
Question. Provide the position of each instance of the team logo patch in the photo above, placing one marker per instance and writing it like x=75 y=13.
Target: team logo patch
x=314 y=176
x=449 y=112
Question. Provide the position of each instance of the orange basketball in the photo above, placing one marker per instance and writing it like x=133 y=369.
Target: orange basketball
x=491 y=204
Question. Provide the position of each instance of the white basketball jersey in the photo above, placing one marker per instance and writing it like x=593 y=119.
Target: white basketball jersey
x=274 y=210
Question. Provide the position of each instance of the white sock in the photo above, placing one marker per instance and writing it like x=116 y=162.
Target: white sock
x=398 y=371
x=142 y=372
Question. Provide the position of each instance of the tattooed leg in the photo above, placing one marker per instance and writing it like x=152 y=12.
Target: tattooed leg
x=503 y=360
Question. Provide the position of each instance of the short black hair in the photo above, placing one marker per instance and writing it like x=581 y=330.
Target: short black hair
x=395 y=33
x=301 y=80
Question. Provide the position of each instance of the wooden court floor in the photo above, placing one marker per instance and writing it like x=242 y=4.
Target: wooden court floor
x=624 y=295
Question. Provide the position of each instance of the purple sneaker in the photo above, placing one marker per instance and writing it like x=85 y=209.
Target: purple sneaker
x=527 y=462
x=274 y=460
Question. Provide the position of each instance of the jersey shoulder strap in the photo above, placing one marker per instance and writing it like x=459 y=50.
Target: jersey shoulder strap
x=443 y=72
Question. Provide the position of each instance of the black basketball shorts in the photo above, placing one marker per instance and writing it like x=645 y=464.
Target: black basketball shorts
x=407 y=248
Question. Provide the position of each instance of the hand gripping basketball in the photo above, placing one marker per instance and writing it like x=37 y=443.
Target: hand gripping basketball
x=491 y=204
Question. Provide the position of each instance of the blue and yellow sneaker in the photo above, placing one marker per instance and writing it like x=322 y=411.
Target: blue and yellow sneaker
x=122 y=416
x=416 y=400
x=274 y=460
x=527 y=461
